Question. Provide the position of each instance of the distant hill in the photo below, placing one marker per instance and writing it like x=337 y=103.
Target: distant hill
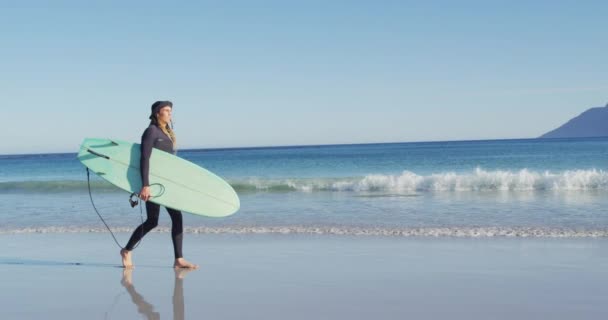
x=591 y=123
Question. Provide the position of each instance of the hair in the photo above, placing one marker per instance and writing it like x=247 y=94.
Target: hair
x=167 y=130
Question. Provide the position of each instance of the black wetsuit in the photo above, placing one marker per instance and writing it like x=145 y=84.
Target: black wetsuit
x=154 y=137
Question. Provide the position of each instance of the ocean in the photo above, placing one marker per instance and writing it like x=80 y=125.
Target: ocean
x=495 y=188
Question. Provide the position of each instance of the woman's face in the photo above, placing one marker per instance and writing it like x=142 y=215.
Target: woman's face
x=164 y=115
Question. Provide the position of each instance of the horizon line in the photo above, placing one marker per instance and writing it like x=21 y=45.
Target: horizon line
x=324 y=145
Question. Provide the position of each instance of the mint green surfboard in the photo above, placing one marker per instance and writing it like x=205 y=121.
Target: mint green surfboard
x=174 y=182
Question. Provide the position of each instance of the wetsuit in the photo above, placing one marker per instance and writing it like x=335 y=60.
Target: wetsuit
x=154 y=137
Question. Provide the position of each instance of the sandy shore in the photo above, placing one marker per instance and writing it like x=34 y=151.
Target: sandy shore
x=77 y=276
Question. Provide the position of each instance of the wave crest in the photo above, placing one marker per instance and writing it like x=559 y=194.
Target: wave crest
x=409 y=182
x=405 y=183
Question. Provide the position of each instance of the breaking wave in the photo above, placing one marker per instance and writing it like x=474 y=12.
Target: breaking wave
x=407 y=182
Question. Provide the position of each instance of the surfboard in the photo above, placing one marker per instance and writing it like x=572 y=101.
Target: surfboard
x=174 y=182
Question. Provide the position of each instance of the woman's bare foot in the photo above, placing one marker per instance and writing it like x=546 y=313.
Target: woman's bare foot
x=182 y=263
x=126 y=258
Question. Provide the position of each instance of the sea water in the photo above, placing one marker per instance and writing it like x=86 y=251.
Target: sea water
x=496 y=188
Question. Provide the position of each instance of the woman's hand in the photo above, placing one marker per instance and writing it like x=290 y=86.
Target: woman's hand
x=144 y=194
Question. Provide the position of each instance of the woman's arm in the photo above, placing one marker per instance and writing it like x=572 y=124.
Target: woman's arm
x=147 y=143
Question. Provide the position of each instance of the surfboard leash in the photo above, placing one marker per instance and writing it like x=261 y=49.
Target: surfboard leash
x=133 y=204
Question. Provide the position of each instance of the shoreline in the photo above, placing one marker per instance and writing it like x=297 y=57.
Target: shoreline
x=489 y=232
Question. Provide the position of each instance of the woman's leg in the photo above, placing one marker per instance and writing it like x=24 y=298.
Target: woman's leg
x=177 y=232
x=177 y=235
x=152 y=212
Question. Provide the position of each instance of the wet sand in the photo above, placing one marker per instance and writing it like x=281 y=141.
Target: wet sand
x=78 y=276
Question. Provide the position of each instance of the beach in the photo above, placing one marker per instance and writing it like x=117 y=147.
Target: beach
x=78 y=275
x=319 y=159
x=449 y=230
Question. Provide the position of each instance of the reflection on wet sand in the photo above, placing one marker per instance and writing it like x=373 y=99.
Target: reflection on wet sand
x=147 y=309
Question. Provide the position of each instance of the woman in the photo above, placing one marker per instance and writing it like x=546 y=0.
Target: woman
x=158 y=135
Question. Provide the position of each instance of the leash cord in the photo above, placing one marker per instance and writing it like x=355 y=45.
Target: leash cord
x=104 y=221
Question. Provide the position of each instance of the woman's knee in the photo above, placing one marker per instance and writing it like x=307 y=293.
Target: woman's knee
x=151 y=223
x=176 y=215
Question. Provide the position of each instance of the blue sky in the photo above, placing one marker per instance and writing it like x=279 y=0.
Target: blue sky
x=262 y=73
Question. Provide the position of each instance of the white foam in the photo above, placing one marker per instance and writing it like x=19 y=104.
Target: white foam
x=477 y=180
x=406 y=182
x=458 y=232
